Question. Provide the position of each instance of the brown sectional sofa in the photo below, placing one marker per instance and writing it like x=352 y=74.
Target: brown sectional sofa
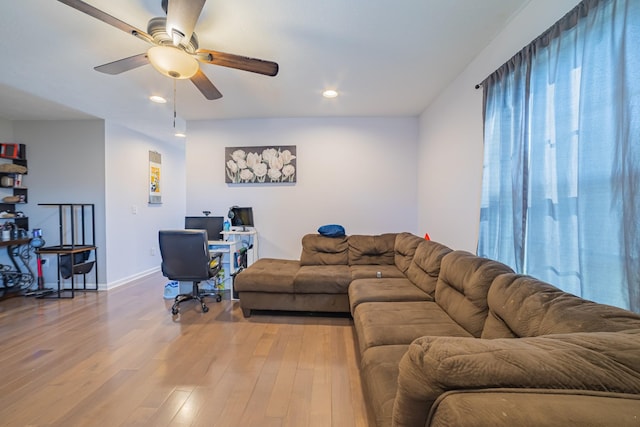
x=447 y=338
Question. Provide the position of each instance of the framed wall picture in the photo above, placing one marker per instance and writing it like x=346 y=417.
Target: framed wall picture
x=260 y=165
x=155 y=168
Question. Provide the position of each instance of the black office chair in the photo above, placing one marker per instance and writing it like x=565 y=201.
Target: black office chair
x=186 y=257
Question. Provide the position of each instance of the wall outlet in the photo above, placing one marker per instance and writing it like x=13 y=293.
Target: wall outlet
x=153 y=251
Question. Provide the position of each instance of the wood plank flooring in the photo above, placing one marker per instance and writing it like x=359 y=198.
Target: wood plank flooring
x=119 y=358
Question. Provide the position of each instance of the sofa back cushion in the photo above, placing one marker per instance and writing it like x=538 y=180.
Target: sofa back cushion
x=463 y=285
x=522 y=306
x=425 y=265
x=321 y=250
x=405 y=248
x=372 y=250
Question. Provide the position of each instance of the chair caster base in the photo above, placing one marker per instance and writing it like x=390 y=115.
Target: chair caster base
x=194 y=296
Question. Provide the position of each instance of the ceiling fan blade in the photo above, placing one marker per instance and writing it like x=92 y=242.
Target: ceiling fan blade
x=245 y=63
x=182 y=16
x=105 y=17
x=122 y=65
x=205 y=86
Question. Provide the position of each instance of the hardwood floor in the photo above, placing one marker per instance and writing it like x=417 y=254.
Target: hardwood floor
x=119 y=358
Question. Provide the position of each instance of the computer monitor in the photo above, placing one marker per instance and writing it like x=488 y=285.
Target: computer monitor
x=213 y=225
x=241 y=217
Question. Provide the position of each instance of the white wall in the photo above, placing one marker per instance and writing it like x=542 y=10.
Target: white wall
x=132 y=224
x=451 y=147
x=357 y=172
x=66 y=165
x=6 y=130
x=90 y=161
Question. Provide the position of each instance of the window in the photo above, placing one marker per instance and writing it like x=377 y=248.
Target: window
x=561 y=183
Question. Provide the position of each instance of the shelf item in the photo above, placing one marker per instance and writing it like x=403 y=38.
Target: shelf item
x=12 y=189
x=10 y=150
x=18 y=277
x=247 y=240
x=228 y=250
x=76 y=247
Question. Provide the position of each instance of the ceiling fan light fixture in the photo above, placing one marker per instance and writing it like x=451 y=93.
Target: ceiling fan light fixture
x=158 y=99
x=173 y=62
x=330 y=93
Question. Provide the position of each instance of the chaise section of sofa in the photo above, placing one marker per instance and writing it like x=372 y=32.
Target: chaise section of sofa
x=267 y=285
x=320 y=280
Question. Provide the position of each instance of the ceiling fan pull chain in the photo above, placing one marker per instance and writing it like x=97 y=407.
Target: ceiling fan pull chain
x=174 y=103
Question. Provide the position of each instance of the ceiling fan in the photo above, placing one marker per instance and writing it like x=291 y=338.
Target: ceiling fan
x=175 y=51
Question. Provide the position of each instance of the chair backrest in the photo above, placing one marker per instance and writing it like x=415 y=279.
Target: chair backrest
x=185 y=254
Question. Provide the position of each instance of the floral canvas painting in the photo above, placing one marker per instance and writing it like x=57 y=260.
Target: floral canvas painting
x=258 y=165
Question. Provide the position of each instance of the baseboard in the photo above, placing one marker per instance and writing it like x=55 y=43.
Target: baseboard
x=126 y=280
x=106 y=286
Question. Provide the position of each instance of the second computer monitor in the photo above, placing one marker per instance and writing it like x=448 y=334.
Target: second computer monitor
x=213 y=225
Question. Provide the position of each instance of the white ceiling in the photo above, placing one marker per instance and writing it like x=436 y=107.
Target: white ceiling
x=386 y=57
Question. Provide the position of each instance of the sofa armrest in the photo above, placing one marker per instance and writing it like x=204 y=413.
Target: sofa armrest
x=598 y=361
x=534 y=408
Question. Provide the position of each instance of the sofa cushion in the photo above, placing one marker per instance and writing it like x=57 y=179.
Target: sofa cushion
x=322 y=279
x=425 y=265
x=371 y=271
x=379 y=371
x=522 y=306
x=321 y=250
x=370 y=250
x=405 y=248
x=320 y=303
x=384 y=290
x=267 y=275
x=392 y=323
x=463 y=285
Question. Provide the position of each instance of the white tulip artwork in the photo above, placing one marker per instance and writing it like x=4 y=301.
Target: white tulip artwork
x=260 y=165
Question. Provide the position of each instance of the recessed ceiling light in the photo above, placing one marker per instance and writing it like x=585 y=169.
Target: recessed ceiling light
x=330 y=93
x=158 y=99
x=180 y=134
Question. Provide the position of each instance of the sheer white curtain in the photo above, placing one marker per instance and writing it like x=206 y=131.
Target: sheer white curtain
x=561 y=185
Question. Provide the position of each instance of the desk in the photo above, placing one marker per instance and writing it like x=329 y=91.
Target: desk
x=228 y=249
x=248 y=239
